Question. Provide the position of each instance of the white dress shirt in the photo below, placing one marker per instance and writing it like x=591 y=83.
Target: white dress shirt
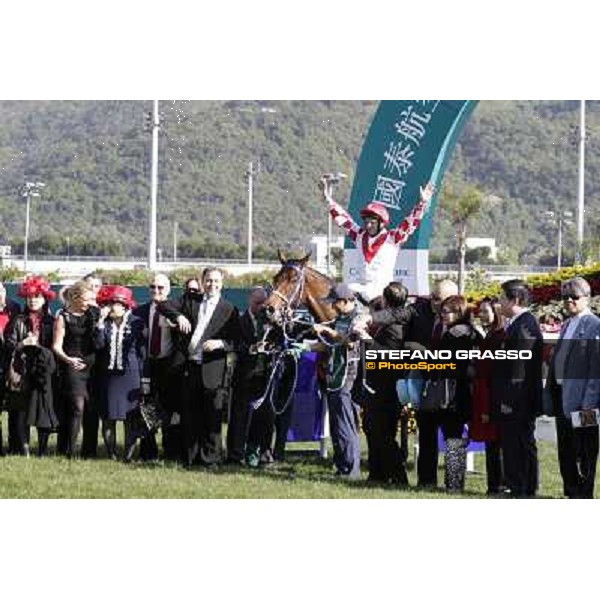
x=512 y=319
x=205 y=313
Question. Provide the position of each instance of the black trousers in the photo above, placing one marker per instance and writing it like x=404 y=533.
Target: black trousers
x=249 y=427
x=262 y=427
x=381 y=416
x=428 y=423
x=404 y=419
x=519 y=453
x=201 y=418
x=427 y=461
x=493 y=467
x=284 y=407
x=159 y=370
x=18 y=431
x=239 y=420
x=577 y=457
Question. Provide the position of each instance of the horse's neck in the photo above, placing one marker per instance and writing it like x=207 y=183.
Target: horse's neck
x=320 y=310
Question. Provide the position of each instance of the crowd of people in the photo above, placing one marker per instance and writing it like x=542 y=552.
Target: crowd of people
x=100 y=359
x=495 y=402
x=187 y=365
x=486 y=400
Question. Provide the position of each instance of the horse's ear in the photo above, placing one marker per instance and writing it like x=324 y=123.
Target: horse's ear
x=281 y=256
x=306 y=258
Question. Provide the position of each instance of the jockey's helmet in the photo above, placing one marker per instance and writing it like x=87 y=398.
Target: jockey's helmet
x=377 y=210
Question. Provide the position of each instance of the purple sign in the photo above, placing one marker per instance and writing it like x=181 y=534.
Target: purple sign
x=472 y=447
x=308 y=411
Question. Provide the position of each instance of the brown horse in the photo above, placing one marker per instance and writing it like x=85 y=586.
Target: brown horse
x=296 y=283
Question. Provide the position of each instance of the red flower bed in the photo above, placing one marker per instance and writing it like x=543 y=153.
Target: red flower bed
x=545 y=293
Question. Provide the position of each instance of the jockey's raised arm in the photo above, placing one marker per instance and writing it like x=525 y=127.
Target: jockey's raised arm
x=377 y=245
x=341 y=217
x=411 y=223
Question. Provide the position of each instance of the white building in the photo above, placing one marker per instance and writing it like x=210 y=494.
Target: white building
x=318 y=247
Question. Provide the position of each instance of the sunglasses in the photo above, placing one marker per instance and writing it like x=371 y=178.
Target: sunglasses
x=570 y=297
x=157 y=287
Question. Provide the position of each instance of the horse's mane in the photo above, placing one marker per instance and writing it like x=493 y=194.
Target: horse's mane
x=298 y=263
x=319 y=279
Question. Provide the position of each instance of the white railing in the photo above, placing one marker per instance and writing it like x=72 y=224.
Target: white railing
x=441 y=267
x=135 y=259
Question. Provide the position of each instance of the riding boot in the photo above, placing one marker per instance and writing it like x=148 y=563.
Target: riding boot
x=455 y=464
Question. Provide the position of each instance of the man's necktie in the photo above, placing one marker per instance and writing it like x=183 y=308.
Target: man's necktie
x=436 y=334
x=155 y=336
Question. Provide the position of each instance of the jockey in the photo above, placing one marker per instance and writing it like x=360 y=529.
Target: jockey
x=378 y=245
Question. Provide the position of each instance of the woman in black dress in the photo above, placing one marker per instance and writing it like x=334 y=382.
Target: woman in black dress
x=120 y=342
x=459 y=334
x=74 y=347
x=29 y=365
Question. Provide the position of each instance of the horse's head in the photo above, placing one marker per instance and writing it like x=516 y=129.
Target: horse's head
x=295 y=284
x=289 y=287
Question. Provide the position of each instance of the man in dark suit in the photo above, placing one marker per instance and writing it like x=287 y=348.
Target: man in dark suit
x=382 y=411
x=517 y=391
x=573 y=385
x=158 y=368
x=208 y=329
x=250 y=432
x=425 y=330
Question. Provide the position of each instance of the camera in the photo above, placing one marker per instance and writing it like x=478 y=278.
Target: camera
x=332 y=178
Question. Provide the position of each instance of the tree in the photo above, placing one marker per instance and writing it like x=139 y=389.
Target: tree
x=461 y=208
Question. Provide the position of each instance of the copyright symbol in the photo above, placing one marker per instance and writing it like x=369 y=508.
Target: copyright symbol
x=370 y=365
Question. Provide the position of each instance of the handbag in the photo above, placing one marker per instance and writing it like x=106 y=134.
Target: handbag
x=438 y=394
x=16 y=380
x=410 y=390
x=151 y=412
x=17 y=384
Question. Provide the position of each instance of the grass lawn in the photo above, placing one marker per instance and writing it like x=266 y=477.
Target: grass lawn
x=303 y=475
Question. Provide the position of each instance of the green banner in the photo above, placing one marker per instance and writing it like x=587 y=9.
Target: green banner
x=408 y=144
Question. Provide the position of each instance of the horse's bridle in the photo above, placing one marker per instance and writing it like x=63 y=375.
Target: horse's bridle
x=298 y=289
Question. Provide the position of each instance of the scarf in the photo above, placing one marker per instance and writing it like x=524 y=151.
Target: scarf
x=35 y=323
x=117 y=333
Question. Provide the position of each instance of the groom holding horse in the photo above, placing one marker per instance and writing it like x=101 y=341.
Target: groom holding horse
x=378 y=245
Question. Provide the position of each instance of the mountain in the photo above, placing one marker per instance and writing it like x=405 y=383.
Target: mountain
x=94 y=157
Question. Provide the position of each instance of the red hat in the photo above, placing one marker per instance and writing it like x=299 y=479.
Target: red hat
x=115 y=293
x=374 y=209
x=34 y=286
x=103 y=295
